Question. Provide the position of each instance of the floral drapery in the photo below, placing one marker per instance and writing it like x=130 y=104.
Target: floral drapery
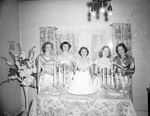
x=48 y=34
x=122 y=34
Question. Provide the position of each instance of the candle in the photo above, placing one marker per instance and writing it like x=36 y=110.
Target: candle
x=63 y=75
x=105 y=75
x=53 y=76
x=102 y=75
x=58 y=74
x=109 y=76
x=55 y=81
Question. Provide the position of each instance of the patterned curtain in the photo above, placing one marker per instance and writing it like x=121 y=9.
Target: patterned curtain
x=48 y=34
x=122 y=34
x=68 y=35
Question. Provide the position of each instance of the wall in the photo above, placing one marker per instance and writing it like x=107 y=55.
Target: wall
x=10 y=93
x=73 y=13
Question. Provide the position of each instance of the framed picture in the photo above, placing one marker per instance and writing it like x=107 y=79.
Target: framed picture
x=12 y=45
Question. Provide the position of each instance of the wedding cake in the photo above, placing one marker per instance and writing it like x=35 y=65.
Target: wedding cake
x=82 y=84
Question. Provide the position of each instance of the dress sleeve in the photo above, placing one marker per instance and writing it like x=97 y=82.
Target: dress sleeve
x=131 y=68
x=114 y=59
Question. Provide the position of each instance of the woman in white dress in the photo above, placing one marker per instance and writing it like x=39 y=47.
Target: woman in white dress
x=103 y=68
x=65 y=64
x=46 y=68
x=82 y=82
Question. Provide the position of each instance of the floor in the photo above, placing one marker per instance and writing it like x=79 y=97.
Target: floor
x=142 y=113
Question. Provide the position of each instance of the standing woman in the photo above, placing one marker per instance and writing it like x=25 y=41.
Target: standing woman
x=46 y=68
x=65 y=64
x=103 y=68
x=83 y=82
x=124 y=68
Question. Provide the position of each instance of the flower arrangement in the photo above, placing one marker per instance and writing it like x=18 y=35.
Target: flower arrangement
x=22 y=68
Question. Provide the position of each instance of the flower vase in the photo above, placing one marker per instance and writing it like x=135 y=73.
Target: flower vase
x=25 y=90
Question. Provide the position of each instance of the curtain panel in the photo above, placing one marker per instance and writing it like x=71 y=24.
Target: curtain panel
x=122 y=34
x=48 y=34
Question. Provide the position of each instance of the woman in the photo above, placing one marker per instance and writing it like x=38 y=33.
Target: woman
x=65 y=64
x=124 y=68
x=46 y=68
x=103 y=68
x=82 y=82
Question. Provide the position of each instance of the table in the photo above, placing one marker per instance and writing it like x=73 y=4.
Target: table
x=88 y=105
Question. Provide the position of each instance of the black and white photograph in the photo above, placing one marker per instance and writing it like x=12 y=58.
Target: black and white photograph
x=74 y=58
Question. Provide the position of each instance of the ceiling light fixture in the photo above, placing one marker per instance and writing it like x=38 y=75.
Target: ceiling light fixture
x=104 y=6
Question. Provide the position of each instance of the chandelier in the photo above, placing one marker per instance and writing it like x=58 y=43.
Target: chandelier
x=97 y=7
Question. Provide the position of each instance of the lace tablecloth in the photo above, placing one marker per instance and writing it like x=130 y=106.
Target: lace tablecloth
x=88 y=105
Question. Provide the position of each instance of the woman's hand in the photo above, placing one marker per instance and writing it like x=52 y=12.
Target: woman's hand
x=98 y=74
x=123 y=72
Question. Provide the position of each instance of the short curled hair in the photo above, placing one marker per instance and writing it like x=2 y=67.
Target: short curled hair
x=45 y=44
x=82 y=49
x=64 y=43
x=123 y=46
x=101 y=52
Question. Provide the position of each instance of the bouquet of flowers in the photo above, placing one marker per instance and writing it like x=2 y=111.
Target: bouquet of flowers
x=22 y=68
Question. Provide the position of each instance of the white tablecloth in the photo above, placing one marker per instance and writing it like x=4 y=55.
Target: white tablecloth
x=89 y=105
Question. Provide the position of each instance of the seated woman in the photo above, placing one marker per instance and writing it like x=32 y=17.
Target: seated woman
x=65 y=64
x=103 y=68
x=82 y=80
x=124 y=68
x=46 y=68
